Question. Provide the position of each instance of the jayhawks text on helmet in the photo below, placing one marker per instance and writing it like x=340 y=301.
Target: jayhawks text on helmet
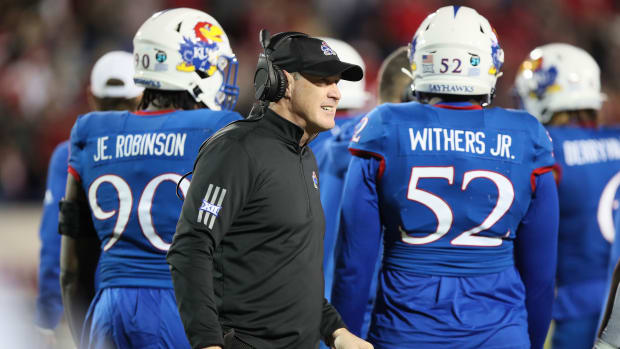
x=442 y=88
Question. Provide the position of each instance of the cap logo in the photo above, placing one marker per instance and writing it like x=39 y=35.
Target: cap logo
x=327 y=50
x=195 y=55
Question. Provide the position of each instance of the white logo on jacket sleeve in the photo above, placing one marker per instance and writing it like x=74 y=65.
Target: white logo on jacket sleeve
x=211 y=205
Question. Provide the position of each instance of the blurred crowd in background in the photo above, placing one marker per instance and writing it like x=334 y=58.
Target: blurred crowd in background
x=48 y=47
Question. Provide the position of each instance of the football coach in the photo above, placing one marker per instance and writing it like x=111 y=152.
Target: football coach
x=246 y=259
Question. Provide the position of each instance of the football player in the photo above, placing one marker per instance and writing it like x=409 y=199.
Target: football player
x=609 y=330
x=334 y=160
x=560 y=85
x=354 y=97
x=111 y=88
x=124 y=168
x=465 y=198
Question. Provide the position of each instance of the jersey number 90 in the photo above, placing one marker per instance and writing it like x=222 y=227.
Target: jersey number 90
x=125 y=203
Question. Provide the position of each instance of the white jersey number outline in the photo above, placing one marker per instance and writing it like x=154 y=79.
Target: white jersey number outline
x=125 y=204
x=443 y=212
x=606 y=206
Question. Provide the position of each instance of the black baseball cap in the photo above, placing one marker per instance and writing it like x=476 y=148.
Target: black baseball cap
x=312 y=56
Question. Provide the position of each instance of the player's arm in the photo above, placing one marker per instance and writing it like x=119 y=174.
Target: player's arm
x=360 y=240
x=218 y=190
x=536 y=256
x=609 y=331
x=78 y=256
x=49 y=299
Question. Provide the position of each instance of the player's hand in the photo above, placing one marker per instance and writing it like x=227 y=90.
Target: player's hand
x=343 y=339
x=216 y=347
x=46 y=339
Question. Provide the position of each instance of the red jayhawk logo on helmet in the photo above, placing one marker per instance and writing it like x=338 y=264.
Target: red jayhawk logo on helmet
x=208 y=32
x=195 y=54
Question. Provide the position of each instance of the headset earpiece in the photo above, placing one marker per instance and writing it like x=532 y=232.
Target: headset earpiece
x=270 y=82
x=261 y=78
x=282 y=83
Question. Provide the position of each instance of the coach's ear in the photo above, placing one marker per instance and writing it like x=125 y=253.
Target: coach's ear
x=290 y=83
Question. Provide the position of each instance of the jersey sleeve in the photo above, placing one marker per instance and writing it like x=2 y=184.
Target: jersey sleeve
x=49 y=301
x=359 y=244
x=368 y=136
x=217 y=192
x=543 y=149
x=543 y=160
x=536 y=256
x=77 y=143
x=337 y=149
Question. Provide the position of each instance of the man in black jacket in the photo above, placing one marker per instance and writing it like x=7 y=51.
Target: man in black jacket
x=246 y=259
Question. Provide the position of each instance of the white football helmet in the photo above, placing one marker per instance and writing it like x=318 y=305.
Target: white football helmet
x=186 y=49
x=455 y=51
x=354 y=94
x=558 y=77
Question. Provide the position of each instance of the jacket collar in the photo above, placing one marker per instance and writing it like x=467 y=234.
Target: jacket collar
x=283 y=128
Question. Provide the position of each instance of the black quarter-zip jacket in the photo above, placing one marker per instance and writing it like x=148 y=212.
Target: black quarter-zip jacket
x=248 y=248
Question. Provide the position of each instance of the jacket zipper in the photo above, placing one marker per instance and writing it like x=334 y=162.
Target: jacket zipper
x=303 y=176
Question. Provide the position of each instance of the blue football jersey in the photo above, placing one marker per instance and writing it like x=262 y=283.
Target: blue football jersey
x=318 y=143
x=49 y=300
x=129 y=165
x=452 y=187
x=587 y=160
x=614 y=257
x=464 y=187
x=332 y=157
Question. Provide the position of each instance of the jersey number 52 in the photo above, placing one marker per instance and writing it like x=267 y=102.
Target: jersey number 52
x=443 y=211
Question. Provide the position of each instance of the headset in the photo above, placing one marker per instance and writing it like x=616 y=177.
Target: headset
x=269 y=80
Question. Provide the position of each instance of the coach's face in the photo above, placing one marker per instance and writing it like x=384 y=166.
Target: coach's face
x=315 y=100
